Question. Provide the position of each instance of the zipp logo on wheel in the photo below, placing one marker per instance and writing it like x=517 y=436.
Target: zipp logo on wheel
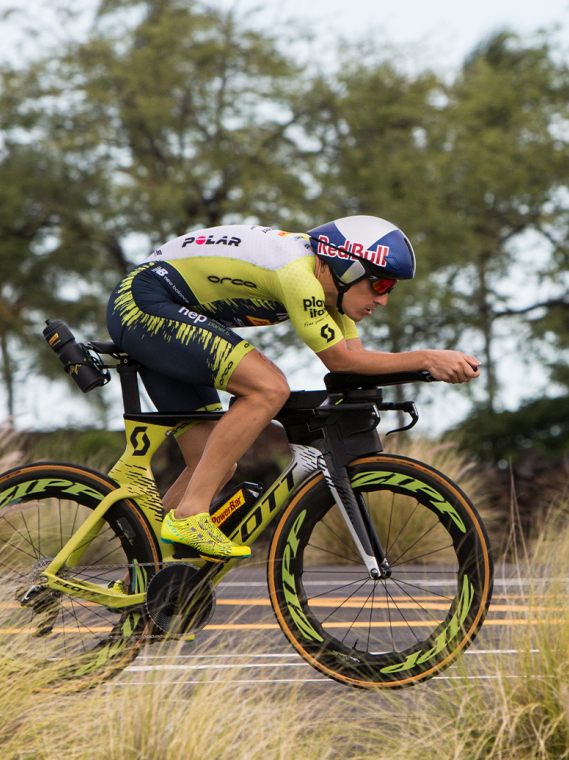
x=328 y=333
x=140 y=441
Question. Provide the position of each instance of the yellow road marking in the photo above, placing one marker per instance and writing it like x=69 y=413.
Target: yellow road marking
x=274 y=626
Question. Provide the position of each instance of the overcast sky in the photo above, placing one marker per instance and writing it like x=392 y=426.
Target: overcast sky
x=436 y=33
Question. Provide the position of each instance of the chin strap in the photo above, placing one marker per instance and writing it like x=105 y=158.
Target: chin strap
x=342 y=288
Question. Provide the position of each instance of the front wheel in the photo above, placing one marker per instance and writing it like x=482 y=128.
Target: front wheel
x=399 y=630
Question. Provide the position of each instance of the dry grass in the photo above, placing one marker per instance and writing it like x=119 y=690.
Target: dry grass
x=11 y=454
x=518 y=708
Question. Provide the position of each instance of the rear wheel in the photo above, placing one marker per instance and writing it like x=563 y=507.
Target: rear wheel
x=400 y=630
x=41 y=507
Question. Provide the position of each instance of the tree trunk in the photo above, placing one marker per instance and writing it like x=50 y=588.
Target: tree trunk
x=486 y=313
x=7 y=373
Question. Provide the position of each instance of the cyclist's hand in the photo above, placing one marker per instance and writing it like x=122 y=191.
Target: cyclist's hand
x=452 y=366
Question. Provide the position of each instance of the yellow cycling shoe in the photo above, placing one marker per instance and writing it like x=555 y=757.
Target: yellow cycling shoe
x=199 y=532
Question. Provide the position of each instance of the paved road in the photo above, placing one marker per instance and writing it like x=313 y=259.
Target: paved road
x=243 y=643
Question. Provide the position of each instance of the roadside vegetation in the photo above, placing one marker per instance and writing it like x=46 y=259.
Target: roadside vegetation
x=517 y=707
x=513 y=703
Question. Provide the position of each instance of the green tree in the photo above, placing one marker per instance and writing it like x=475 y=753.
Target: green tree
x=180 y=119
x=466 y=169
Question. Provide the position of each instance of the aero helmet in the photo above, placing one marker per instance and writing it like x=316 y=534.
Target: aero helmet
x=363 y=246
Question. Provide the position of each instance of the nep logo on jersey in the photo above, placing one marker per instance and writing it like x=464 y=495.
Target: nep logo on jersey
x=376 y=257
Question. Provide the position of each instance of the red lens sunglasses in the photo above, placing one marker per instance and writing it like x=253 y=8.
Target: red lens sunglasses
x=382 y=287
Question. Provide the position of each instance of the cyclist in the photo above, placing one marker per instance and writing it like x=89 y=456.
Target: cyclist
x=174 y=312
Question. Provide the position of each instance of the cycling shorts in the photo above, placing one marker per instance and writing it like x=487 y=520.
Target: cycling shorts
x=184 y=355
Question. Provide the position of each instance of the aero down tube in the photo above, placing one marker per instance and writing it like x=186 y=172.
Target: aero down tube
x=304 y=463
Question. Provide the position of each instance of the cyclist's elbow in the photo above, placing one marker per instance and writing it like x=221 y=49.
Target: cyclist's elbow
x=336 y=361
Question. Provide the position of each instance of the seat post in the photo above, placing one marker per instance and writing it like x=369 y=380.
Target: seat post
x=128 y=371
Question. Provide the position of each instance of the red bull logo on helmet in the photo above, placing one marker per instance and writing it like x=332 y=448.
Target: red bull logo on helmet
x=377 y=257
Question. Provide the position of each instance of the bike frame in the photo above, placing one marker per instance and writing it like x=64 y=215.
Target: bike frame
x=135 y=481
x=326 y=430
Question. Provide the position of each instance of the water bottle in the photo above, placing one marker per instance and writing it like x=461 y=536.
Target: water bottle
x=75 y=358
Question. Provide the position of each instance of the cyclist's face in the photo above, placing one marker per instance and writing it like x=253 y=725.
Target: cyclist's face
x=361 y=300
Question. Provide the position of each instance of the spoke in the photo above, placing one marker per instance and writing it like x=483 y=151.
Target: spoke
x=370 y=614
x=338 y=588
x=390 y=517
x=334 y=554
x=83 y=573
x=424 y=590
x=426 y=533
x=60 y=527
x=356 y=618
x=11 y=570
x=90 y=610
x=108 y=554
x=347 y=599
x=75 y=616
x=403 y=616
x=429 y=614
x=426 y=554
x=101 y=537
x=322 y=522
x=389 y=615
x=401 y=530
x=35 y=551
x=18 y=548
x=327 y=572
x=75 y=518
x=22 y=536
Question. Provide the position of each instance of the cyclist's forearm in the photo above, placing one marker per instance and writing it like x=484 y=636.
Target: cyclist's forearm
x=374 y=362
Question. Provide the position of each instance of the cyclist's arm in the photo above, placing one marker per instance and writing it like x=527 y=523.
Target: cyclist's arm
x=450 y=366
x=354 y=344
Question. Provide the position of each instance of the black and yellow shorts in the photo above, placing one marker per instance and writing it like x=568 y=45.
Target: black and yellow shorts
x=184 y=355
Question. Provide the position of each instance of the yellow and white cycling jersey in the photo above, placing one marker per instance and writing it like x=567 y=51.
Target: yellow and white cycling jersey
x=242 y=276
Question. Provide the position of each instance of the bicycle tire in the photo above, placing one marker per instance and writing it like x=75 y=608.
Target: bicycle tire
x=41 y=506
x=387 y=633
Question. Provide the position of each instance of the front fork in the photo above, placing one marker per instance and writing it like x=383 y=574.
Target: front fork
x=358 y=520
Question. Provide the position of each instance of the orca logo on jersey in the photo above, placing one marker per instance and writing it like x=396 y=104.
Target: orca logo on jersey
x=233 y=281
x=203 y=240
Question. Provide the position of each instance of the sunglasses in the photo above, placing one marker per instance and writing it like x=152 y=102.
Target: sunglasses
x=382 y=287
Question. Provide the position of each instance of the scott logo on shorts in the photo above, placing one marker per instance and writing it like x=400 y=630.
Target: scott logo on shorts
x=314 y=306
x=235 y=281
x=192 y=315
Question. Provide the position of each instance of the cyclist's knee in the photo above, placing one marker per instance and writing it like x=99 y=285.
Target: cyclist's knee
x=275 y=394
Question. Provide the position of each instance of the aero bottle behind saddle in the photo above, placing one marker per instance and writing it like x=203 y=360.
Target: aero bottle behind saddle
x=227 y=511
x=74 y=356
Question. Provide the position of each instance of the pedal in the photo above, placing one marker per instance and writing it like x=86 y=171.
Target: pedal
x=181 y=551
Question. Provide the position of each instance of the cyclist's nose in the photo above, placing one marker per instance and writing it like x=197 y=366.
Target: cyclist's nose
x=381 y=300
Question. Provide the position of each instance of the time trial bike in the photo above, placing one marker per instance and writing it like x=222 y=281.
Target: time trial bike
x=379 y=570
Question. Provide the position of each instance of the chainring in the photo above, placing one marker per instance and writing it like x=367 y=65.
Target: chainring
x=174 y=604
